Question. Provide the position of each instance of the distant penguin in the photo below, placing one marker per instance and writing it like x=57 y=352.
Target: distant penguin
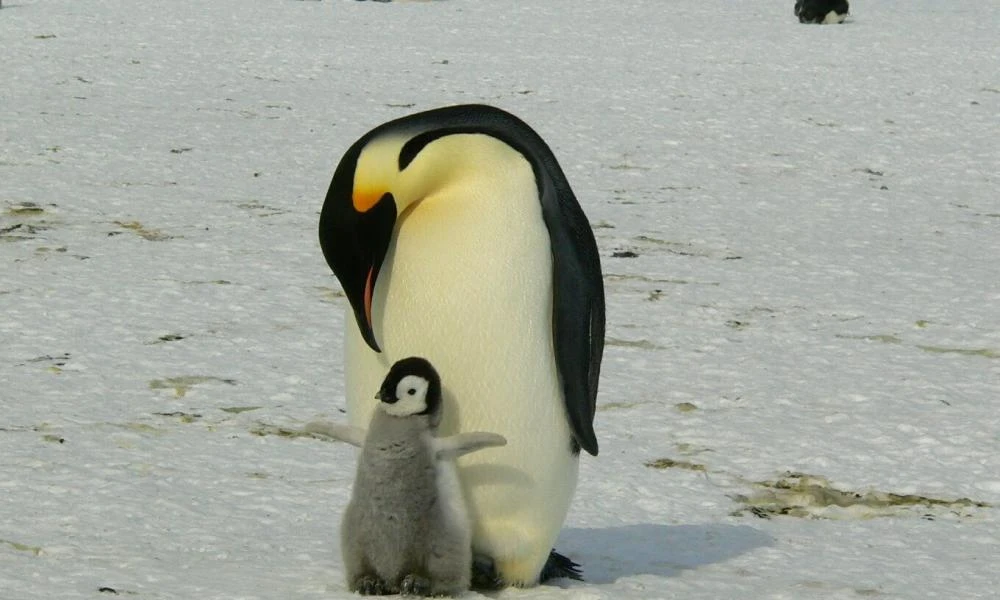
x=406 y=528
x=455 y=234
x=824 y=12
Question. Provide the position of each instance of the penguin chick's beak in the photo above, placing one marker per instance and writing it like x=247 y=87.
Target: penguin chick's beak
x=384 y=395
x=355 y=237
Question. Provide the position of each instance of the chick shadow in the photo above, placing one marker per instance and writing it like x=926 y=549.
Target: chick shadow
x=611 y=553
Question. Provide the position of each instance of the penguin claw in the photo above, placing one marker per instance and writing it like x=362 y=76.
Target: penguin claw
x=415 y=585
x=369 y=585
x=559 y=566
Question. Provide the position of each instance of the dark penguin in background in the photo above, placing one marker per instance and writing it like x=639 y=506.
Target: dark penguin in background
x=824 y=12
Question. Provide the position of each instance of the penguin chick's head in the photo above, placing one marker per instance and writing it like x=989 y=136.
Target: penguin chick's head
x=390 y=170
x=412 y=387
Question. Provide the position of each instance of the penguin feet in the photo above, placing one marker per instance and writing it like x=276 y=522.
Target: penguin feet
x=415 y=585
x=485 y=576
x=370 y=585
x=558 y=567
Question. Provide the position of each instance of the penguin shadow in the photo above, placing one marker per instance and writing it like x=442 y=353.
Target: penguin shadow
x=611 y=553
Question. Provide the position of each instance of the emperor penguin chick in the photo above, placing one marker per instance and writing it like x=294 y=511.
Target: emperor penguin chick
x=406 y=528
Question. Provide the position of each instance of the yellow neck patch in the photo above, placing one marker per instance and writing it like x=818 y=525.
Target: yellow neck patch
x=376 y=172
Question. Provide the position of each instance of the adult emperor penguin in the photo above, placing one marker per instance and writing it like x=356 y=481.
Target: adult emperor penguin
x=455 y=236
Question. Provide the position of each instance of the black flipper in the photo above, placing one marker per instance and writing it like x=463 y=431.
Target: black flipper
x=577 y=305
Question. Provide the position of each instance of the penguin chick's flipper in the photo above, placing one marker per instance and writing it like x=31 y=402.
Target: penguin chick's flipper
x=354 y=436
x=558 y=567
x=461 y=444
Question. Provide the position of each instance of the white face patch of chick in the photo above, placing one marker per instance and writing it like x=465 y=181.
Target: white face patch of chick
x=411 y=397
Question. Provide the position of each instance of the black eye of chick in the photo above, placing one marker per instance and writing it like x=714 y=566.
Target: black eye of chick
x=411 y=391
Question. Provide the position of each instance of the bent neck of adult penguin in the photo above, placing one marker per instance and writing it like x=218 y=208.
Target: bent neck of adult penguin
x=453 y=166
x=468 y=272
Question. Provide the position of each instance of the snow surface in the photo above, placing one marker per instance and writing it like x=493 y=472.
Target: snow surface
x=815 y=288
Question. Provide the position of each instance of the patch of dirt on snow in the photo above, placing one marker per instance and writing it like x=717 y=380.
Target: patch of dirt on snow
x=813 y=497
